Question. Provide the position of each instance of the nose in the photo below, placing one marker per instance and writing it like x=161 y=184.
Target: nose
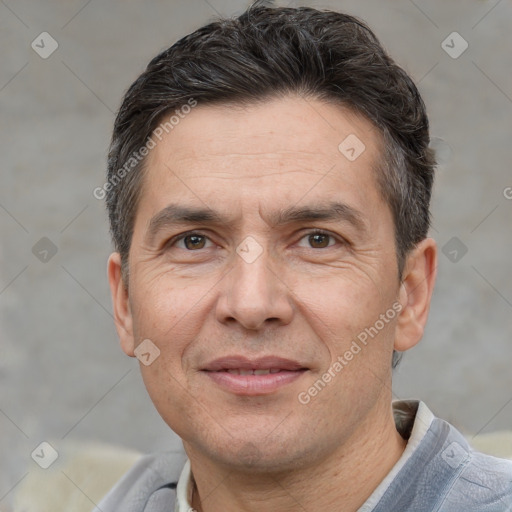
x=254 y=295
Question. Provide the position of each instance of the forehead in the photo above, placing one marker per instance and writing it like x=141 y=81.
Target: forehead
x=281 y=149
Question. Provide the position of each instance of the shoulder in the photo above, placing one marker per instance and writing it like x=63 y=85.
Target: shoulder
x=485 y=481
x=480 y=480
x=147 y=476
x=439 y=471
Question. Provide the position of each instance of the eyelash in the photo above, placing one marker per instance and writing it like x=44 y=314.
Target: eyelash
x=178 y=238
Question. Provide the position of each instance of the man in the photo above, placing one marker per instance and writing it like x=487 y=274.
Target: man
x=268 y=192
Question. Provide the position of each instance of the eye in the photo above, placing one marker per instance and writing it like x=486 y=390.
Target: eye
x=194 y=241
x=319 y=239
x=190 y=241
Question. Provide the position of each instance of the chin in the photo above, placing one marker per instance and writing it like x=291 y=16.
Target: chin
x=254 y=452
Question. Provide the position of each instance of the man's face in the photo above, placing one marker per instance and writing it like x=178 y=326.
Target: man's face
x=259 y=283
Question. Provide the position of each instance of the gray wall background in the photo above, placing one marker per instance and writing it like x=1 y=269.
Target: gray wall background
x=63 y=376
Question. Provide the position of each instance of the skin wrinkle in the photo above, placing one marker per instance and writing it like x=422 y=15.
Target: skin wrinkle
x=329 y=213
x=294 y=300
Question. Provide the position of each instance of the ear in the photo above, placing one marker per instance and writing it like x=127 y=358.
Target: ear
x=120 y=300
x=418 y=280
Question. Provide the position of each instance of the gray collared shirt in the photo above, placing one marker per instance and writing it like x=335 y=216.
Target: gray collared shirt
x=438 y=472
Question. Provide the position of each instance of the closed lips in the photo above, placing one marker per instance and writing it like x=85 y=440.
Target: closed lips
x=244 y=366
x=238 y=371
x=240 y=375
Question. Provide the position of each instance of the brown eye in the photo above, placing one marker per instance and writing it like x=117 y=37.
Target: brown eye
x=192 y=242
x=318 y=240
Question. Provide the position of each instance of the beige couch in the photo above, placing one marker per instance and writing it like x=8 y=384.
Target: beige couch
x=76 y=481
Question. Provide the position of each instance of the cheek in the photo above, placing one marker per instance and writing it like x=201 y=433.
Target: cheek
x=166 y=387
x=340 y=304
x=162 y=305
x=170 y=317
x=345 y=312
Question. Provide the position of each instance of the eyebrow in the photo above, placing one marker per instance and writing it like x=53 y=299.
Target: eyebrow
x=174 y=214
x=330 y=212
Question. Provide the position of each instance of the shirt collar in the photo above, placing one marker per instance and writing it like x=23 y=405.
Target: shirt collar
x=184 y=490
x=413 y=419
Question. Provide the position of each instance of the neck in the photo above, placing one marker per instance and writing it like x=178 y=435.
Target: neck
x=347 y=476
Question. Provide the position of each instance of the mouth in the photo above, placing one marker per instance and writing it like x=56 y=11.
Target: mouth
x=239 y=371
x=242 y=376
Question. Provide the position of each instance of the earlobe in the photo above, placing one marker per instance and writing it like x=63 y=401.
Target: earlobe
x=121 y=304
x=416 y=293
